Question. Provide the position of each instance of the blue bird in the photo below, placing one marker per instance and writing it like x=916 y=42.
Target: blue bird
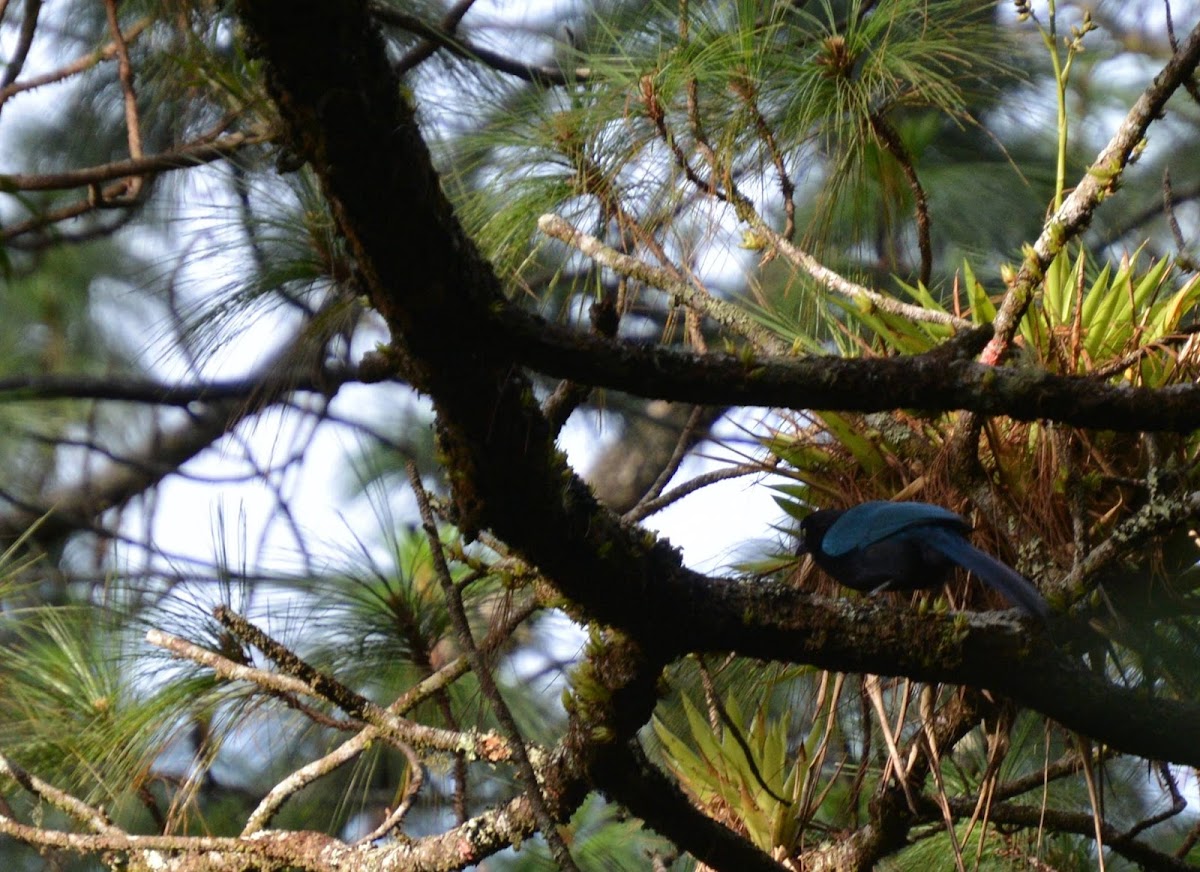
x=905 y=546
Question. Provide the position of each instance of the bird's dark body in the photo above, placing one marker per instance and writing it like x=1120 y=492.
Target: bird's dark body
x=879 y=546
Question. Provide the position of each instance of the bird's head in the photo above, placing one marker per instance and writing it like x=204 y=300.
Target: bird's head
x=813 y=529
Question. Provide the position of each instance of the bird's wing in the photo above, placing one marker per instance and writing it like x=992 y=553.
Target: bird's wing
x=867 y=523
x=996 y=575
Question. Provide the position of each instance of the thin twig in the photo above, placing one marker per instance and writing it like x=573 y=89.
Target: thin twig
x=1189 y=841
x=1182 y=259
x=605 y=316
x=20 y=53
x=840 y=285
x=393 y=820
x=483 y=674
x=781 y=243
x=115 y=194
x=352 y=747
x=74 y=68
x=1178 y=804
x=270 y=804
x=94 y=818
x=425 y=50
x=133 y=131
x=658 y=117
x=650 y=507
x=487 y=746
x=1189 y=84
x=891 y=140
x=200 y=151
x=725 y=314
x=459 y=47
x=672 y=466
x=787 y=188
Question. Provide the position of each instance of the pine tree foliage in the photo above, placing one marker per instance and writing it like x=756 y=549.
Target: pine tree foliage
x=302 y=302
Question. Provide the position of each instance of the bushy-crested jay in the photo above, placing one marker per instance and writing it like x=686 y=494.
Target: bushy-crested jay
x=904 y=546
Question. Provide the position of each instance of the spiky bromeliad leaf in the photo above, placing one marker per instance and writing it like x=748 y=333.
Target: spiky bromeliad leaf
x=713 y=766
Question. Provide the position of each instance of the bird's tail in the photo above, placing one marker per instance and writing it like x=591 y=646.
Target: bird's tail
x=1015 y=587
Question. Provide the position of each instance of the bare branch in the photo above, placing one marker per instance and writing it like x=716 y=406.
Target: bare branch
x=1100 y=180
x=133 y=124
x=891 y=140
x=351 y=748
x=458 y=46
x=133 y=389
x=391 y=727
x=483 y=673
x=94 y=818
x=189 y=155
x=840 y=285
x=80 y=65
x=725 y=314
x=645 y=509
x=20 y=54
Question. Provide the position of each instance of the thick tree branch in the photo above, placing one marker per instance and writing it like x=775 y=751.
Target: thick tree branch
x=277 y=851
x=987 y=650
x=634 y=782
x=939 y=381
x=73 y=508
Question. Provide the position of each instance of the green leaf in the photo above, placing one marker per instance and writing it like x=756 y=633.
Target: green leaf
x=800 y=454
x=983 y=310
x=792 y=508
x=1167 y=315
x=1147 y=289
x=1108 y=326
x=860 y=447
x=1056 y=298
x=1095 y=294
